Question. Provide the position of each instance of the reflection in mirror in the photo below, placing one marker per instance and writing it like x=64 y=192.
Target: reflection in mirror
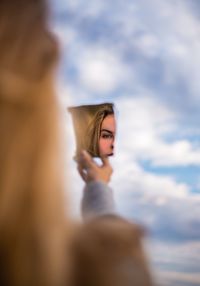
x=95 y=128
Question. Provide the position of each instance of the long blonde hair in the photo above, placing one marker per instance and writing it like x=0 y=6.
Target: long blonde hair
x=32 y=219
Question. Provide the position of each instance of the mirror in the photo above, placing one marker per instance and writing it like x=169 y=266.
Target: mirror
x=95 y=129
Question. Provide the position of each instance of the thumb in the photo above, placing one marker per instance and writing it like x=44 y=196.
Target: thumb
x=105 y=161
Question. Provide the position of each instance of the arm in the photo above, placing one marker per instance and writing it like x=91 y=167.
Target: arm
x=97 y=196
x=97 y=199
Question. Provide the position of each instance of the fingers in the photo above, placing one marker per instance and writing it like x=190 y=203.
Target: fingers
x=86 y=167
x=90 y=163
x=106 y=164
x=105 y=161
x=82 y=173
x=87 y=159
x=89 y=170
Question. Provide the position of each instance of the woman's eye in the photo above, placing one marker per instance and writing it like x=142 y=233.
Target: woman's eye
x=107 y=136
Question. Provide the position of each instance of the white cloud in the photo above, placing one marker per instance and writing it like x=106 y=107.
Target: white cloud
x=145 y=125
x=151 y=187
x=62 y=5
x=167 y=278
x=66 y=35
x=179 y=257
x=179 y=37
x=158 y=201
x=166 y=30
x=147 y=44
x=180 y=153
x=64 y=94
x=100 y=70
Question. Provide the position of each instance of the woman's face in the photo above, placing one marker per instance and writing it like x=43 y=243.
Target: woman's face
x=107 y=136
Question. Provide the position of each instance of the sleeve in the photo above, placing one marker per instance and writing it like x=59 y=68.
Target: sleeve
x=97 y=200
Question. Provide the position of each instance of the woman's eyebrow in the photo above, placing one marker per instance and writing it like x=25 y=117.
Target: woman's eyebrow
x=106 y=130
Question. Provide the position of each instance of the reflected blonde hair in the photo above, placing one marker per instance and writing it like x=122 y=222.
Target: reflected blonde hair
x=87 y=120
x=32 y=219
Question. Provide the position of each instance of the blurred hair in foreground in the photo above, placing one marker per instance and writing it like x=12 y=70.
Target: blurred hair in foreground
x=32 y=219
x=108 y=251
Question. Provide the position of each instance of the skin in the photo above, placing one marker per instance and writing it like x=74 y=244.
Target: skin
x=107 y=136
x=89 y=170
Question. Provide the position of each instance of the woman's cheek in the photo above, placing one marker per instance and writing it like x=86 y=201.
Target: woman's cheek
x=103 y=145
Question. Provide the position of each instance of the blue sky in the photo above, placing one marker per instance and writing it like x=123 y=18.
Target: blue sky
x=145 y=57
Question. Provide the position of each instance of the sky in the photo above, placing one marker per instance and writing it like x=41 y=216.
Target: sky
x=144 y=56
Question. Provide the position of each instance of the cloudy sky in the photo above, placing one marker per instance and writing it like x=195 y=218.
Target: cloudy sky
x=145 y=57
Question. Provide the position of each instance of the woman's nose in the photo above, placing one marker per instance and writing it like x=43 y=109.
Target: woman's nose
x=112 y=144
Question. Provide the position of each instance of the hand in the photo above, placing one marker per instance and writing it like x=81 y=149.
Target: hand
x=89 y=170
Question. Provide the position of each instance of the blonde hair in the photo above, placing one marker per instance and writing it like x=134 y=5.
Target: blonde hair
x=32 y=219
x=87 y=120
